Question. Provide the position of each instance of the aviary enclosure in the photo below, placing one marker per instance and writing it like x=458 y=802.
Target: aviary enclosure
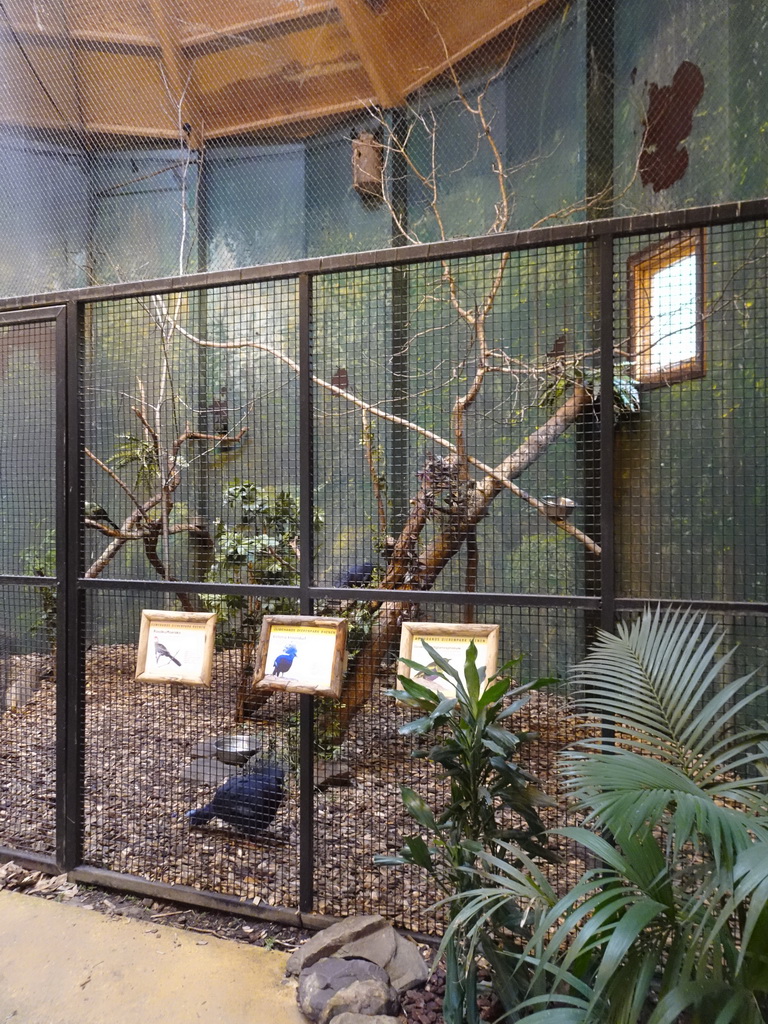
x=254 y=438
x=545 y=428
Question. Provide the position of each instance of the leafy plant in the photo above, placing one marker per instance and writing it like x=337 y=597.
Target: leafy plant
x=261 y=546
x=492 y=798
x=141 y=453
x=41 y=561
x=673 y=922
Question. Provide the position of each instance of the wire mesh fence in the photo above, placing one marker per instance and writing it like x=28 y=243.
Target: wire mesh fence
x=180 y=138
x=542 y=432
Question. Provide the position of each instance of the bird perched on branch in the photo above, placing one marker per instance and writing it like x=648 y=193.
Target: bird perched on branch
x=340 y=379
x=356 y=575
x=98 y=513
x=559 y=346
x=248 y=803
x=284 y=661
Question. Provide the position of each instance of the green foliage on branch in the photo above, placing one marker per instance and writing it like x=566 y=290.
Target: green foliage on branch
x=259 y=545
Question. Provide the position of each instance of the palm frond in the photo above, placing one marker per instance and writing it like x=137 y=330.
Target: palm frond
x=630 y=793
x=653 y=683
x=681 y=743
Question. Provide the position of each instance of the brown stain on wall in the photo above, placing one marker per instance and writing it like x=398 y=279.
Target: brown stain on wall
x=668 y=122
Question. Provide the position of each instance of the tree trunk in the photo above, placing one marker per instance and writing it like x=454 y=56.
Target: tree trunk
x=411 y=570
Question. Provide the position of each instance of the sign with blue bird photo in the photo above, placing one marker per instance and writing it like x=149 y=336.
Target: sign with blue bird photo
x=175 y=647
x=302 y=653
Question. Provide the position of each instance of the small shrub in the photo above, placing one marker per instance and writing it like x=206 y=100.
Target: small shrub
x=493 y=800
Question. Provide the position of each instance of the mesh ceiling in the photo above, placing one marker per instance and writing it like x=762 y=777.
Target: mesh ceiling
x=153 y=138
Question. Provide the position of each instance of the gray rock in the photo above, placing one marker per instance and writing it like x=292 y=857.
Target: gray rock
x=369 y=998
x=319 y=983
x=407 y=968
x=327 y=942
x=364 y=1018
x=380 y=946
x=366 y=937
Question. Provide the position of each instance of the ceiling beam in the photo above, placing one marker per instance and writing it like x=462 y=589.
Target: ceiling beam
x=273 y=19
x=178 y=74
x=374 y=52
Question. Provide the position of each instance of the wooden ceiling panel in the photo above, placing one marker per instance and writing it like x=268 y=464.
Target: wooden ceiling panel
x=125 y=94
x=404 y=43
x=303 y=51
x=123 y=23
x=250 y=105
x=239 y=64
x=296 y=76
x=47 y=99
x=201 y=21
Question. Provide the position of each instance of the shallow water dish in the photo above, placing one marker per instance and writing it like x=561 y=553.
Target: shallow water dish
x=558 y=508
x=235 y=749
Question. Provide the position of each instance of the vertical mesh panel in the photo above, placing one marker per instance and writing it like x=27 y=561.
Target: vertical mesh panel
x=27 y=721
x=354 y=824
x=27 y=461
x=191 y=440
x=150 y=758
x=27 y=612
x=691 y=514
x=469 y=355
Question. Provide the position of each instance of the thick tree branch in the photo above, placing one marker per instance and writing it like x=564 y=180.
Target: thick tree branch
x=409 y=570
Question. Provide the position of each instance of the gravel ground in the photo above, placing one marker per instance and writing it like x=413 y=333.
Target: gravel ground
x=143 y=770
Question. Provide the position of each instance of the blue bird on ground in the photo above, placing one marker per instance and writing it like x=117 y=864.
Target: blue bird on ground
x=284 y=661
x=248 y=803
x=357 y=575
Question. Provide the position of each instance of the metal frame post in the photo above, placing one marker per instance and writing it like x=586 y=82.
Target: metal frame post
x=306 y=603
x=607 y=441
x=70 y=680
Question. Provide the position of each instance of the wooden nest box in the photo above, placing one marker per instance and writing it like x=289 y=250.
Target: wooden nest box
x=367 y=168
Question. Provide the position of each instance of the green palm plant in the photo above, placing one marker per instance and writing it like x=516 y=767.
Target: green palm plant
x=672 y=924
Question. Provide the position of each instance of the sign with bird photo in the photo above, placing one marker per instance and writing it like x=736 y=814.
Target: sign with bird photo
x=451 y=642
x=176 y=647
x=301 y=653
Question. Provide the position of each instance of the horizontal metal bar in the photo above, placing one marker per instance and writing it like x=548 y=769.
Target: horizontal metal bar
x=190 y=896
x=482 y=245
x=182 y=894
x=701 y=604
x=27 y=581
x=29 y=860
x=188 y=587
x=347 y=593
x=457 y=597
x=398 y=596
x=30 y=316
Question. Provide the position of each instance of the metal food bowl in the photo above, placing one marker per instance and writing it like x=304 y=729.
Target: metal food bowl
x=558 y=508
x=235 y=749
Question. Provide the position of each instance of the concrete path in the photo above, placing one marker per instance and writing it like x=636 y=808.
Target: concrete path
x=66 y=965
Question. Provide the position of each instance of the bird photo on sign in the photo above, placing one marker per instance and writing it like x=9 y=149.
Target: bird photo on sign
x=301 y=653
x=175 y=647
